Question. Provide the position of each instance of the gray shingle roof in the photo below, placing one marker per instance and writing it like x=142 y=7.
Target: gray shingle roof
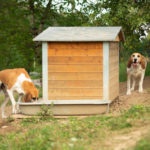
x=85 y=34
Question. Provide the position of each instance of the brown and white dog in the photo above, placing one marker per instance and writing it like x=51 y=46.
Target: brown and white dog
x=136 y=70
x=16 y=80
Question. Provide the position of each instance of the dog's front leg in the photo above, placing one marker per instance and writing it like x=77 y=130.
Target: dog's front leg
x=128 y=84
x=10 y=93
x=133 y=84
x=3 y=106
x=5 y=102
x=19 y=100
x=141 y=83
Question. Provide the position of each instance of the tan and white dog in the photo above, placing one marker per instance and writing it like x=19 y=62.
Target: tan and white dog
x=16 y=80
x=136 y=70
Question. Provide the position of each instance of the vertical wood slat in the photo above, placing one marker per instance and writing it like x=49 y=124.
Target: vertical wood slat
x=106 y=71
x=45 y=70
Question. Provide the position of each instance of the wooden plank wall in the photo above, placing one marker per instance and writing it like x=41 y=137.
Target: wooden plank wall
x=75 y=71
x=113 y=70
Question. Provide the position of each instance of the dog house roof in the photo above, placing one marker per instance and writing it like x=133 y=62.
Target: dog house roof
x=80 y=34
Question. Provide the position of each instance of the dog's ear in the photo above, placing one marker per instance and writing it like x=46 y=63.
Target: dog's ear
x=143 y=62
x=27 y=97
x=129 y=62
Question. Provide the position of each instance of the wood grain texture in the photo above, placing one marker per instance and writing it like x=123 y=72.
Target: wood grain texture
x=114 y=70
x=75 y=76
x=74 y=84
x=75 y=70
x=75 y=92
x=75 y=60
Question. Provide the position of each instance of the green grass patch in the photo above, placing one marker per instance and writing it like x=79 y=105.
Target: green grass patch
x=144 y=143
x=72 y=133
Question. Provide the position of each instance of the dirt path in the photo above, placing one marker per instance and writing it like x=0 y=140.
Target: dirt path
x=127 y=140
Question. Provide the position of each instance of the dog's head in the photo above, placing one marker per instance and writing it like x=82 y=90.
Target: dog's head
x=135 y=60
x=31 y=92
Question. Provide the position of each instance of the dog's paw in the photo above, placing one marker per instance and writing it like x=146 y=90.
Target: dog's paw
x=14 y=111
x=128 y=93
x=140 y=91
x=4 y=117
x=18 y=111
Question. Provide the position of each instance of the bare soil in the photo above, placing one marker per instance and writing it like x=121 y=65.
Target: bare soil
x=126 y=101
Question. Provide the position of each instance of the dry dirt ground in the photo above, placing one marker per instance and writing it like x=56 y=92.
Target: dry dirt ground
x=119 y=141
x=126 y=101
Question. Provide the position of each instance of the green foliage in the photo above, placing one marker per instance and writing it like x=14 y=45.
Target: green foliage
x=122 y=71
x=120 y=123
x=22 y=20
x=46 y=112
x=137 y=111
x=123 y=121
x=15 y=39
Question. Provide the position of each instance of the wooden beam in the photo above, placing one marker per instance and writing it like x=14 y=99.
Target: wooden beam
x=45 y=70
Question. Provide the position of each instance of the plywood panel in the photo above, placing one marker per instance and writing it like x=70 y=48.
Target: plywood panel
x=75 y=60
x=75 y=76
x=75 y=92
x=75 y=84
x=74 y=97
x=72 y=52
x=114 y=70
x=75 y=71
x=75 y=45
x=74 y=49
x=74 y=68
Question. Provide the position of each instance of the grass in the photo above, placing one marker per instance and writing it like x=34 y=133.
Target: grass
x=74 y=134
x=143 y=144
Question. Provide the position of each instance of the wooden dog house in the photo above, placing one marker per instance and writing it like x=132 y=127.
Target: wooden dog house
x=80 y=68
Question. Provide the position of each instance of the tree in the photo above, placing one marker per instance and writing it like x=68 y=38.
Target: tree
x=131 y=15
x=22 y=20
x=15 y=38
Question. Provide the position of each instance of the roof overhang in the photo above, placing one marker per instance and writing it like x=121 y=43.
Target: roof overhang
x=80 y=34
